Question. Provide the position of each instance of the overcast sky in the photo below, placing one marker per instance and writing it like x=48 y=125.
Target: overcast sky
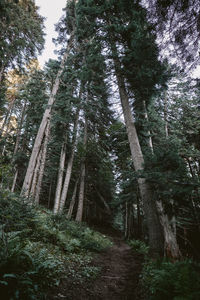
x=52 y=11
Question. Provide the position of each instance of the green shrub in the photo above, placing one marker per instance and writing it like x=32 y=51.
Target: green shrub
x=174 y=281
x=26 y=270
x=37 y=249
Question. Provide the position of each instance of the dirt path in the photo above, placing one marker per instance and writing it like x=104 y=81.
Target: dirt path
x=120 y=273
x=118 y=279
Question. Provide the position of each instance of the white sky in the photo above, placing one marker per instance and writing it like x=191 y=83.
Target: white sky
x=52 y=11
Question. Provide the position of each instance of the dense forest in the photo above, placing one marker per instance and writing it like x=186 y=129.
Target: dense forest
x=105 y=137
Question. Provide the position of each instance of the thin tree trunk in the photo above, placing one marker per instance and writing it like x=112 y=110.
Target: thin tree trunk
x=7 y=117
x=72 y=203
x=19 y=129
x=165 y=116
x=17 y=146
x=14 y=181
x=35 y=176
x=150 y=142
x=49 y=197
x=46 y=117
x=153 y=224
x=126 y=220
x=2 y=73
x=104 y=202
x=69 y=165
x=6 y=125
x=42 y=165
x=79 y=214
x=39 y=169
x=60 y=178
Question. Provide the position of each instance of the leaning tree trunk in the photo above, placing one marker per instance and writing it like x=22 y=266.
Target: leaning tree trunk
x=69 y=166
x=46 y=118
x=60 y=178
x=153 y=224
x=79 y=214
x=73 y=200
x=14 y=181
x=42 y=165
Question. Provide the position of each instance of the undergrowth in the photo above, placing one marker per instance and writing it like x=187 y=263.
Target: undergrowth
x=38 y=249
x=167 y=280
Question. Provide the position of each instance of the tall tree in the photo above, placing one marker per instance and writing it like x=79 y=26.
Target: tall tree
x=21 y=33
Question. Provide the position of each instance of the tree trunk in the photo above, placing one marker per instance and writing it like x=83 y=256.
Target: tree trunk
x=72 y=203
x=60 y=178
x=69 y=165
x=49 y=196
x=19 y=129
x=150 y=142
x=46 y=118
x=104 y=202
x=171 y=247
x=1 y=73
x=165 y=116
x=79 y=214
x=35 y=186
x=14 y=181
x=32 y=191
x=153 y=224
x=42 y=164
x=7 y=117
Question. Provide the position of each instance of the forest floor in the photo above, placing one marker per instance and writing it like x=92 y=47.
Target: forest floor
x=119 y=274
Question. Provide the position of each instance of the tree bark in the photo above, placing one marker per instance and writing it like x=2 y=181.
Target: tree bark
x=14 y=181
x=42 y=165
x=165 y=116
x=46 y=117
x=1 y=73
x=36 y=183
x=60 y=178
x=79 y=214
x=19 y=129
x=150 y=142
x=69 y=165
x=171 y=246
x=153 y=224
x=72 y=203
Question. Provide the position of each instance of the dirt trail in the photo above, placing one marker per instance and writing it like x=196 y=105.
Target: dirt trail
x=120 y=273
x=118 y=279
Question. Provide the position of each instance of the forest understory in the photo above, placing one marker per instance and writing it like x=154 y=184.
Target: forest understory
x=118 y=278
